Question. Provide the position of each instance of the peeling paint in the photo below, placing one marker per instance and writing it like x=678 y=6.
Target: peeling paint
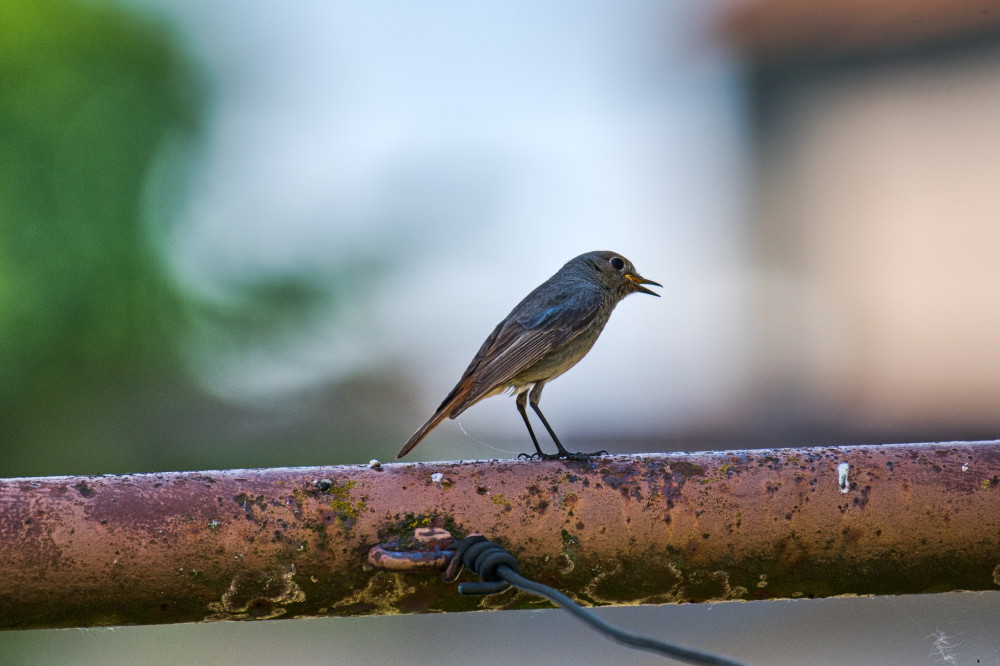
x=843 y=469
x=257 y=597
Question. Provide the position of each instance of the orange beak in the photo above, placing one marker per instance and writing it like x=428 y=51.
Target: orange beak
x=637 y=282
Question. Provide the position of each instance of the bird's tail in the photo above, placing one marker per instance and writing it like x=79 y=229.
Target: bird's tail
x=451 y=405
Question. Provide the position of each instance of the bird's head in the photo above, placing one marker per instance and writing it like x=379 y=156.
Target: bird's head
x=616 y=273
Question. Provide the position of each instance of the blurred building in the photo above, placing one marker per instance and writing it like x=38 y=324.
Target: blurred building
x=876 y=214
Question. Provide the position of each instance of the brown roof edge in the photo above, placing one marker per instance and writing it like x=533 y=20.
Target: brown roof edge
x=776 y=30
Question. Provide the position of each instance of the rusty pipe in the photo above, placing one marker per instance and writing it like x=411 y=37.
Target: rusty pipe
x=757 y=524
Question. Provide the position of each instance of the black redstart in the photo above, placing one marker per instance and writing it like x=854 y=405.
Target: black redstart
x=545 y=335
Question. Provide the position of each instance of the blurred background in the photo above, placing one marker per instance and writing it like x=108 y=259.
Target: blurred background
x=237 y=235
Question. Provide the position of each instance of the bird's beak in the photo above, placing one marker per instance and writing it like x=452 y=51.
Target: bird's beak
x=637 y=282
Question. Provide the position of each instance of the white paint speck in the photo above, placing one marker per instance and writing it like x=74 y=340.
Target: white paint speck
x=965 y=467
x=842 y=470
x=436 y=477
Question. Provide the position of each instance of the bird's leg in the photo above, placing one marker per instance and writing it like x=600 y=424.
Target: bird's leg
x=563 y=453
x=522 y=399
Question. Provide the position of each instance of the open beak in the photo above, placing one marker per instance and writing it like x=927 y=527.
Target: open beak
x=637 y=282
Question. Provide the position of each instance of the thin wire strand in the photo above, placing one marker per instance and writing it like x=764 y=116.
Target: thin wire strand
x=481 y=442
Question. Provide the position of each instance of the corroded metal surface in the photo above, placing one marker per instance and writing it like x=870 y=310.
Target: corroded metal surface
x=762 y=524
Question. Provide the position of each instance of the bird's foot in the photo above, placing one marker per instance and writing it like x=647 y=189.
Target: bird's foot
x=561 y=455
x=579 y=455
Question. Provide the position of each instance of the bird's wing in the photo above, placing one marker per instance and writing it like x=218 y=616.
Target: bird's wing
x=523 y=339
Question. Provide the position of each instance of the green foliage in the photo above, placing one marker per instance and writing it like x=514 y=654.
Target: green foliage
x=88 y=95
x=99 y=120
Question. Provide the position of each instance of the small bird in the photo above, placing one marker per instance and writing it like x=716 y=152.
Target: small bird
x=545 y=335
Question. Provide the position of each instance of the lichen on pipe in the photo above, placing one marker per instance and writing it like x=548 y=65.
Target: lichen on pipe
x=728 y=525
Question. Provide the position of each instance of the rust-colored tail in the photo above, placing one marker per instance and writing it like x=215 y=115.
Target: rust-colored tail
x=453 y=401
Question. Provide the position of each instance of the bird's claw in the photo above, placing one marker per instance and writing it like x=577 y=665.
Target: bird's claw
x=562 y=455
x=579 y=455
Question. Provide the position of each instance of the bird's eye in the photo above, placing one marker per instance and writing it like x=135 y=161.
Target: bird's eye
x=617 y=263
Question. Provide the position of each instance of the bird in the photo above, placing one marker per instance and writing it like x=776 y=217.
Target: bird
x=545 y=335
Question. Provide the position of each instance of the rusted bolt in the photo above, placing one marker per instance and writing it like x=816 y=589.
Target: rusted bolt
x=413 y=560
x=432 y=558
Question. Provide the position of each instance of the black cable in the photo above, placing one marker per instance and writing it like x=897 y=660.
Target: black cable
x=498 y=569
x=609 y=630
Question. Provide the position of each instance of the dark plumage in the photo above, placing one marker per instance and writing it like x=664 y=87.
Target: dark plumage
x=545 y=335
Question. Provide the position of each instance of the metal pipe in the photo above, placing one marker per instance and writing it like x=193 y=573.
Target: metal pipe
x=758 y=524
